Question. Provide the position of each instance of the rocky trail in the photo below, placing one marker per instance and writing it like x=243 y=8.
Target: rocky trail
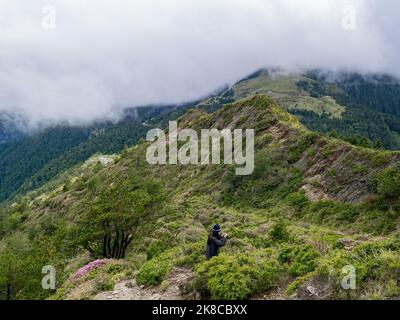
x=129 y=290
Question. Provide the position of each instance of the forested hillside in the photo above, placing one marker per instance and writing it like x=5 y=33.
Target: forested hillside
x=372 y=107
x=34 y=159
x=9 y=128
x=363 y=110
x=313 y=205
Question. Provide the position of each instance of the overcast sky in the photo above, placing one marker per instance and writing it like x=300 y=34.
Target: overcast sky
x=80 y=60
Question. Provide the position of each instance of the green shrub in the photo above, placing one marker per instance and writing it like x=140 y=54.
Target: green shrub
x=301 y=259
x=270 y=275
x=232 y=277
x=79 y=184
x=296 y=151
x=164 y=285
x=93 y=184
x=193 y=253
x=388 y=183
x=392 y=290
x=155 y=249
x=279 y=232
x=294 y=285
x=154 y=271
x=326 y=209
x=118 y=269
x=298 y=200
x=380 y=158
x=377 y=270
x=67 y=186
x=104 y=283
x=347 y=213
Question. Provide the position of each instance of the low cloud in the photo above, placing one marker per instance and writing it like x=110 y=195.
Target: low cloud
x=94 y=57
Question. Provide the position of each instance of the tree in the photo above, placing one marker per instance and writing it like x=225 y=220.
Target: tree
x=378 y=144
x=111 y=223
x=364 y=142
x=10 y=274
x=334 y=134
x=389 y=183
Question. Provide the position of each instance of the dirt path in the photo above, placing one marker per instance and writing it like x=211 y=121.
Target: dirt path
x=129 y=290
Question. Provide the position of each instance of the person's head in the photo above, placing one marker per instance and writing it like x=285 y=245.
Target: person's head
x=216 y=229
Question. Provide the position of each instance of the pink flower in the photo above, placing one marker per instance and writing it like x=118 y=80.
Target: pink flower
x=84 y=270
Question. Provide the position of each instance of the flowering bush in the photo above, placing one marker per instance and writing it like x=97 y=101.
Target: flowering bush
x=84 y=270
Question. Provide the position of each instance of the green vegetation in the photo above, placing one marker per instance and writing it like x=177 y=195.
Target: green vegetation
x=360 y=110
x=231 y=277
x=109 y=227
x=102 y=278
x=301 y=258
x=54 y=150
x=154 y=270
x=372 y=116
x=389 y=183
x=312 y=206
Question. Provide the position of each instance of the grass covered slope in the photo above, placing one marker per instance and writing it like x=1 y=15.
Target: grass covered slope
x=312 y=206
x=285 y=89
x=362 y=109
x=37 y=158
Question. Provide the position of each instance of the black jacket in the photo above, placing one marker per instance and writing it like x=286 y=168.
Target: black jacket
x=213 y=245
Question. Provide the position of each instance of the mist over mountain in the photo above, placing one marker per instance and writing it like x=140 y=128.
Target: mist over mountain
x=80 y=61
x=364 y=110
x=11 y=126
x=315 y=87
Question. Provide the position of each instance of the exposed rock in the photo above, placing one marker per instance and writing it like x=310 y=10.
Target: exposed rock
x=315 y=194
x=312 y=291
x=317 y=288
x=347 y=243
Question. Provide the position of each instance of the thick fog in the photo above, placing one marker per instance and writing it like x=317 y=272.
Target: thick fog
x=82 y=60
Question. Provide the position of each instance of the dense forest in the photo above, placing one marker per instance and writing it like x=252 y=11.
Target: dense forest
x=372 y=102
x=33 y=160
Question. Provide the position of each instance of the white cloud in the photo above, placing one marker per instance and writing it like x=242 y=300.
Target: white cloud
x=106 y=54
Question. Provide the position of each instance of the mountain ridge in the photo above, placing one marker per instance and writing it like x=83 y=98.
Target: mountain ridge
x=281 y=237
x=330 y=104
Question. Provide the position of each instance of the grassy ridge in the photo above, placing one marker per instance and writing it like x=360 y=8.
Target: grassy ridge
x=361 y=110
x=312 y=206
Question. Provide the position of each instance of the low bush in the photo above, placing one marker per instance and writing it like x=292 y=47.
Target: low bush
x=300 y=259
x=388 y=183
x=298 y=200
x=279 y=231
x=154 y=271
x=155 y=249
x=232 y=277
x=193 y=253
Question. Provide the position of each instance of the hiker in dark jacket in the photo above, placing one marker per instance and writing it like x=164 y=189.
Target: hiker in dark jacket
x=216 y=239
